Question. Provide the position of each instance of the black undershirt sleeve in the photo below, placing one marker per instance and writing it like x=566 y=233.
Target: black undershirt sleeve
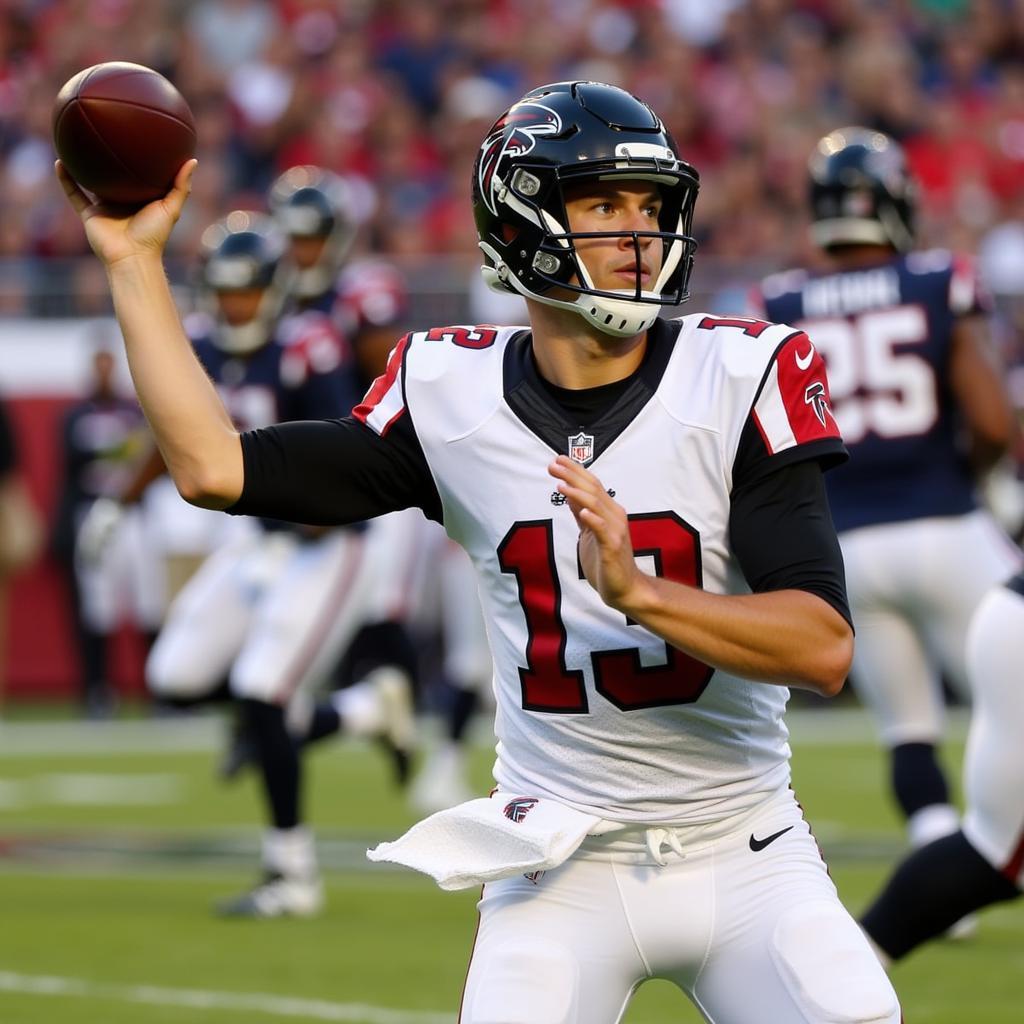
x=780 y=528
x=332 y=472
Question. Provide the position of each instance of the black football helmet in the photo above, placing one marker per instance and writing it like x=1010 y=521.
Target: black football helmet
x=241 y=252
x=561 y=134
x=861 y=191
x=310 y=202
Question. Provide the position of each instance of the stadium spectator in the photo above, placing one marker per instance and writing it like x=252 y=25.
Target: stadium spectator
x=364 y=91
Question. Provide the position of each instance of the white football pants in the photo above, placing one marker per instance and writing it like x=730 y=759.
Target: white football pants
x=994 y=761
x=913 y=587
x=271 y=613
x=747 y=925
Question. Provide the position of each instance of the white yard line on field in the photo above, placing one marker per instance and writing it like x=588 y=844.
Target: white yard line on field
x=199 y=999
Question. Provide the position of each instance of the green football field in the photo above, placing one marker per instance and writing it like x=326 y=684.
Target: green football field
x=116 y=839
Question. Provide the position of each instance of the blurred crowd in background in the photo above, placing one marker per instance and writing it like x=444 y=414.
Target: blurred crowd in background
x=396 y=95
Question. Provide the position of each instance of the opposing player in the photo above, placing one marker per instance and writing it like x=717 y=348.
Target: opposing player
x=315 y=209
x=267 y=616
x=643 y=632
x=918 y=395
x=433 y=590
x=983 y=862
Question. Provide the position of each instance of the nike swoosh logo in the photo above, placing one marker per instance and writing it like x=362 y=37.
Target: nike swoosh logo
x=757 y=845
x=803 y=362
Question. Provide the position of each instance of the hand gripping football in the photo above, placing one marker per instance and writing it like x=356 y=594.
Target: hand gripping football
x=123 y=132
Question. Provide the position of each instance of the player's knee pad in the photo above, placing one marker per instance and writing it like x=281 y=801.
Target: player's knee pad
x=524 y=984
x=829 y=968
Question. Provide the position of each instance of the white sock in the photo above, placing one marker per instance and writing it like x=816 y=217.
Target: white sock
x=360 y=705
x=931 y=823
x=290 y=851
x=359 y=708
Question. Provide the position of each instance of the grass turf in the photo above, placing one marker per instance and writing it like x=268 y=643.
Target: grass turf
x=111 y=855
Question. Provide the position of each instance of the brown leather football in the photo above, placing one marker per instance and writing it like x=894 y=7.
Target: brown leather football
x=122 y=131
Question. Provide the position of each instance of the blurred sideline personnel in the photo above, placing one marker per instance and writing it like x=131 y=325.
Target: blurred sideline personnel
x=266 y=617
x=920 y=401
x=22 y=534
x=640 y=683
x=103 y=436
x=983 y=862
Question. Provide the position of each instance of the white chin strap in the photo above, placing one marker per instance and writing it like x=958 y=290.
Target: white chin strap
x=311 y=282
x=621 y=318
x=241 y=339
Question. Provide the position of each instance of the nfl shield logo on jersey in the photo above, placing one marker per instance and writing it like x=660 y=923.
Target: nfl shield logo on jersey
x=581 y=448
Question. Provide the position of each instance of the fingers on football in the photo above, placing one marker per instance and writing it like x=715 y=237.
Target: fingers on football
x=75 y=195
x=183 y=179
x=175 y=199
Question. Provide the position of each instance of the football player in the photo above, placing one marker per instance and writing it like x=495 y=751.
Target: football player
x=315 y=209
x=917 y=392
x=613 y=477
x=365 y=303
x=983 y=862
x=269 y=613
x=434 y=590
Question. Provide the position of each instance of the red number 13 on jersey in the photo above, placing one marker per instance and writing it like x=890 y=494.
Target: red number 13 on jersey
x=527 y=552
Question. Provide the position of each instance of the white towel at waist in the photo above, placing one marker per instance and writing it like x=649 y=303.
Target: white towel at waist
x=491 y=838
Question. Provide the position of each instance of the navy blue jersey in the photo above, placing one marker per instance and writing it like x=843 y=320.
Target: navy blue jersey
x=304 y=372
x=885 y=333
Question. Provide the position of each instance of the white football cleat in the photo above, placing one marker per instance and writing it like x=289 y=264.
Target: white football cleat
x=442 y=782
x=277 y=896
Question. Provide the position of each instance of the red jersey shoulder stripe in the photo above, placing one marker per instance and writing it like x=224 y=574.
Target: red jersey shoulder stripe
x=384 y=403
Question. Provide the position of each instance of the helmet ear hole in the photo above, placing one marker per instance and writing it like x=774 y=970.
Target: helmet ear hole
x=509 y=232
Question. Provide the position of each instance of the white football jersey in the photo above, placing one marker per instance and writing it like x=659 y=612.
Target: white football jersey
x=592 y=709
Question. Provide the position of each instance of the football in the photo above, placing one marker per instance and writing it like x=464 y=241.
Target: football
x=122 y=131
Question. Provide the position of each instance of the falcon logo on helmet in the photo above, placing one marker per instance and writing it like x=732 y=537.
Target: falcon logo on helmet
x=513 y=134
x=556 y=138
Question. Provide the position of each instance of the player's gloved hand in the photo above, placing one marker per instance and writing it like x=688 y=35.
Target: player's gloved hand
x=98 y=529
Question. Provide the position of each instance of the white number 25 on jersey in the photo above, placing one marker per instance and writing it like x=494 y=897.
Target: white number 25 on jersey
x=879 y=385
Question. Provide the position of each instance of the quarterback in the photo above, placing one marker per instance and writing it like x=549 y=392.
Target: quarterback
x=643 y=503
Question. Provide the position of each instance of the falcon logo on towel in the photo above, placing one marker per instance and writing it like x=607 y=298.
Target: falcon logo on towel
x=516 y=810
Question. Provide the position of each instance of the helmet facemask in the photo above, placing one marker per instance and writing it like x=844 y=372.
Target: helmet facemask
x=521 y=212
x=311 y=203
x=241 y=253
